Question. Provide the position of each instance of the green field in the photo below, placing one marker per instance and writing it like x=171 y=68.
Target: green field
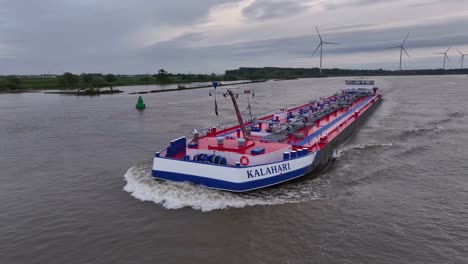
x=97 y=80
x=10 y=83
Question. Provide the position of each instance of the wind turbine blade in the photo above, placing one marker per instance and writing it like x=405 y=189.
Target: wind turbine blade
x=404 y=41
x=447 y=57
x=317 y=48
x=440 y=53
x=405 y=51
x=459 y=52
x=320 y=37
x=448 y=49
x=394 y=47
x=333 y=43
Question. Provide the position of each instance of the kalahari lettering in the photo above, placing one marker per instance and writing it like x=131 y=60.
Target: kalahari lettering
x=265 y=171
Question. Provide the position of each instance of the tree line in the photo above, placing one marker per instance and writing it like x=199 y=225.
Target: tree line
x=10 y=82
x=85 y=80
x=292 y=73
x=69 y=80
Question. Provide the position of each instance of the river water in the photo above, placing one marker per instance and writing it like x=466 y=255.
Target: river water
x=76 y=187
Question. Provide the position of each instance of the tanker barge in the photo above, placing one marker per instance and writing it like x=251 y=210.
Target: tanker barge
x=269 y=149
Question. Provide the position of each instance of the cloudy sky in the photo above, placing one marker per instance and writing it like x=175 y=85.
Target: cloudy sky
x=205 y=36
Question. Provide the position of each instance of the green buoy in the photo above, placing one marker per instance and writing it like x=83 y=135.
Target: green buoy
x=140 y=104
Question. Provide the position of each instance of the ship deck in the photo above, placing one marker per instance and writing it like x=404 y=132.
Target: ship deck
x=329 y=125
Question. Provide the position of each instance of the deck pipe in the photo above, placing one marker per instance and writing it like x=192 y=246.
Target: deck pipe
x=293 y=154
x=299 y=152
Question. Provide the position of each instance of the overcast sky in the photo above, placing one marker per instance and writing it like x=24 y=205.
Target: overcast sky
x=205 y=36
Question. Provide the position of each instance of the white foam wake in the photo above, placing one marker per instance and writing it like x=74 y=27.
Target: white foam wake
x=368 y=146
x=175 y=195
x=345 y=148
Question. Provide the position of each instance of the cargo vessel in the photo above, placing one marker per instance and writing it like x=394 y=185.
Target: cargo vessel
x=269 y=149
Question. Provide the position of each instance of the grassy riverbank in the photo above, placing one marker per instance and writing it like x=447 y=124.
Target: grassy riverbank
x=97 y=80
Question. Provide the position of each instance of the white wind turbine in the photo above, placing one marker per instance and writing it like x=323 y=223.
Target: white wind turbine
x=445 y=56
x=320 y=45
x=402 y=49
x=462 y=57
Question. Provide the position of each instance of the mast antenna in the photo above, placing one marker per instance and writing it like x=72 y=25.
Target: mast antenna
x=234 y=94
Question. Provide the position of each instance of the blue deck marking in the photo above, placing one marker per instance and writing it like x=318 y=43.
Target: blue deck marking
x=325 y=127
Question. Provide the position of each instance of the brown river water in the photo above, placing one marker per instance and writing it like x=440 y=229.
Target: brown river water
x=76 y=186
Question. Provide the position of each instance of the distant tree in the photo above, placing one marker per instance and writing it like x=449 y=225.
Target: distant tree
x=110 y=78
x=98 y=82
x=68 y=80
x=162 y=75
x=87 y=78
x=10 y=83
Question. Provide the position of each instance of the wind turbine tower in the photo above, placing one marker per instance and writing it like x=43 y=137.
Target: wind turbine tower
x=462 y=57
x=320 y=45
x=445 y=56
x=402 y=48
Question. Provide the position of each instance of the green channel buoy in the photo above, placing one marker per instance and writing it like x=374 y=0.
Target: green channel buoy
x=140 y=104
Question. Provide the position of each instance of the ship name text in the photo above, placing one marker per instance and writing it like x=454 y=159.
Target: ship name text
x=268 y=170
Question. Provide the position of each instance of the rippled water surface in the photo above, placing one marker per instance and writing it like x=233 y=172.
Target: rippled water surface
x=76 y=187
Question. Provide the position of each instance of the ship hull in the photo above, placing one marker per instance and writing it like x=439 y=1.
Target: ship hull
x=243 y=179
x=325 y=155
x=234 y=179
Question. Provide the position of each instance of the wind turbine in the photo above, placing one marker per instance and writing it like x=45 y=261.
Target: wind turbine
x=445 y=56
x=402 y=48
x=462 y=58
x=320 y=45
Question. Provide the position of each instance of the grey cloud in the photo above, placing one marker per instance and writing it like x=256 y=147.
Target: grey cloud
x=48 y=33
x=364 y=40
x=348 y=27
x=77 y=24
x=176 y=53
x=434 y=2
x=354 y=3
x=93 y=36
x=266 y=9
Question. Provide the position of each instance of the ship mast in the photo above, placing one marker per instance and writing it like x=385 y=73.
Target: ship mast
x=250 y=109
x=239 y=117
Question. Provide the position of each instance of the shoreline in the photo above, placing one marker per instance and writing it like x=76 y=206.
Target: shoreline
x=107 y=90
x=195 y=87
